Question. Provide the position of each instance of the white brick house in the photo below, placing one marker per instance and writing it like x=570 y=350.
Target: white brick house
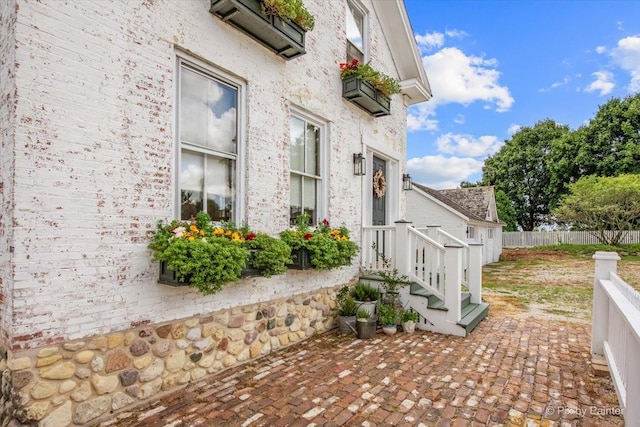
x=101 y=103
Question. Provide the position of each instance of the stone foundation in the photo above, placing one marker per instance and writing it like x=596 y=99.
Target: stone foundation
x=84 y=381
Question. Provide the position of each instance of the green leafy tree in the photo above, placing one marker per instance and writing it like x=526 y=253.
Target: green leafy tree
x=506 y=212
x=610 y=143
x=599 y=204
x=520 y=169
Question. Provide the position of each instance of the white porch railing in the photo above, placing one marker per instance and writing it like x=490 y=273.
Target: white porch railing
x=615 y=331
x=471 y=259
x=437 y=267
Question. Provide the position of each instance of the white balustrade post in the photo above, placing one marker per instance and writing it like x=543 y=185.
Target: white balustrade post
x=453 y=281
x=606 y=263
x=474 y=272
x=402 y=259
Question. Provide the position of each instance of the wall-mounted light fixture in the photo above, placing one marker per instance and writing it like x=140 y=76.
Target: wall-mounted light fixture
x=359 y=164
x=407 y=184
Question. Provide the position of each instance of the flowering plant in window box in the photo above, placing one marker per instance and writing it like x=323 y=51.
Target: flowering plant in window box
x=200 y=254
x=367 y=87
x=326 y=247
x=382 y=82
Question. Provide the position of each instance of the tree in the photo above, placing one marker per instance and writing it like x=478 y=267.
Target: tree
x=598 y=204
x=520 y=169
x=506 y=212
x=608 y=145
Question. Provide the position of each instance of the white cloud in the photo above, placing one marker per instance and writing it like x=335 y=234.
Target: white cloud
x=557 y=84
x=601 y=49
x=604 y=83
x=513 y=129
x=442 y=172
x=420 y=119
x=430 y=40
x=459 y=119
x=464 y=79
x=459 y=34
x=467 y=145
x=627 y=56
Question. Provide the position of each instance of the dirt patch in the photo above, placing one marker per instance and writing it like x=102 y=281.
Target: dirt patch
x=546 y=283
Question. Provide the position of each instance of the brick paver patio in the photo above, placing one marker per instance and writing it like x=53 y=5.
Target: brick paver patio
x=509 y=371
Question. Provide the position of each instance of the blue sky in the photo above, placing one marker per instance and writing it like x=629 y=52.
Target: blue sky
x=495 y=66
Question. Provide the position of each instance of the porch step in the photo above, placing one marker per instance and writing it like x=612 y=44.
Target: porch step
x=436 y=303
x=473 y=314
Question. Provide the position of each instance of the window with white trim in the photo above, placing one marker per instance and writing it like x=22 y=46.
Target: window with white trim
x=356 y=32
x=305 y=159
x=490 y=233
x=207 y=135
x=471 y=232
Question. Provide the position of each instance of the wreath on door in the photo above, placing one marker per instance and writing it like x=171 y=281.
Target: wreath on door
x=379 y=184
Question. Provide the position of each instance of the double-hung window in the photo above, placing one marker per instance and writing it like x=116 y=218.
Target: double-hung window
x=305 y=169
x=356 y=32
x=207 y=133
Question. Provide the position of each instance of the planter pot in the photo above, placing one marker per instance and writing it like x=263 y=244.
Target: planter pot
x=347 y=324
x=366 y=96
x=366 y=328
x=284 y=38
x=409 y=327
x=368 y=306
x=301 y=259
x=390 y=329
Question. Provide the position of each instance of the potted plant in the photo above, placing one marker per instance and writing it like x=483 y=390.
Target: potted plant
x=367 y=87
x=322 y=248
x=279 y=25
x=347 y=309
x=409 y=319
x=196 y=254
x=388 y=316
x=365 y=324
x=392 y=280
x=366 y=296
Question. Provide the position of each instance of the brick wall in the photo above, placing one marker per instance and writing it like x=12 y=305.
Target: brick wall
x=7 y=135
x=95 y=155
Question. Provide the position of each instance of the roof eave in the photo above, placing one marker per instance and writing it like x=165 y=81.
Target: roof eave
x=406 y=56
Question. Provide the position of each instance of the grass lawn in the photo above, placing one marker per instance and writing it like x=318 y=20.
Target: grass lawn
x=555 y=282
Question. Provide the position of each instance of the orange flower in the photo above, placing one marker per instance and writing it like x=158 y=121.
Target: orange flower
x=218 y=231
x=193 y=227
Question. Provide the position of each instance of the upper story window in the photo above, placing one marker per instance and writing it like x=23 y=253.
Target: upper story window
x=305 y=155
x=207 y=134
x=356 y=33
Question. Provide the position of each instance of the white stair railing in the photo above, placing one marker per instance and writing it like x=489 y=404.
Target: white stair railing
x=471 y=259
x=436 y=267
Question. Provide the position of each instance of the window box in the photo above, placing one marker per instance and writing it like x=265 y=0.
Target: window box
x=284 y=38
x=301 y=259
x=168 y=276
x=366 y=96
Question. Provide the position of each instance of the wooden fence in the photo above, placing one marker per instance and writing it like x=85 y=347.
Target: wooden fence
x=528 y=239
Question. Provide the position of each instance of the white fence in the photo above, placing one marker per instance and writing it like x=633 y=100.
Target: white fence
x=615 y=332
x=528 y=239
